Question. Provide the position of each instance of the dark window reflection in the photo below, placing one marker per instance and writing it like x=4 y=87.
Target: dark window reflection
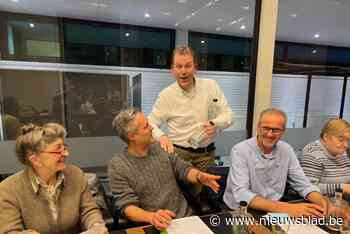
x=92 y=101
x=220 y=52
x=27 y=97
x=87 y=42
x=31 y=38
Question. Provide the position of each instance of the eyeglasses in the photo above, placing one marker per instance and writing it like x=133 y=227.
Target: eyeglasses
x=274 y=131
x=64 y=148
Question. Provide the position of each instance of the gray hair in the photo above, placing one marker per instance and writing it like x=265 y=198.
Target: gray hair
x=274 y=111
x=123 y=123
x=183 y=50
x=34 y=139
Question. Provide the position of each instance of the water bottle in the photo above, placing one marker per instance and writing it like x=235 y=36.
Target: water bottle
x=241 y=219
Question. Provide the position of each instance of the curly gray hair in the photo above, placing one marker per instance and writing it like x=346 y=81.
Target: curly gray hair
x=34 y=139
x=123 y=123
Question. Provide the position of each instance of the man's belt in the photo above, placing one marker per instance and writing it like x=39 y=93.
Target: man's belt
x=211 y=147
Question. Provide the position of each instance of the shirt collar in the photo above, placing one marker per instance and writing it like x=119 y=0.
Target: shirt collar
x=271 y=155
x=37 y=183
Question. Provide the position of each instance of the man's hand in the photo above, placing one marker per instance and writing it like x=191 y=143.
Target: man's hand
x=210 y=130
x=166 y=144
x=346 y=188
x=209 y=180
x=162 y=218
x=303 y=209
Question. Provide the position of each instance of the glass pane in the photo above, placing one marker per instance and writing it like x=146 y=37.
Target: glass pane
x=29 y=97
x=31 y=38
x=288 y=94
x=114 y=44
x=346 y=113
x=325 y=100
x=91 y=102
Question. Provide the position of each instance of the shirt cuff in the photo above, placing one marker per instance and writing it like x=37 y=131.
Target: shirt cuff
x=310 y=189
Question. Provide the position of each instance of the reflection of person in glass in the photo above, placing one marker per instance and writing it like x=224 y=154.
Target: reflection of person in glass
x=10 y=119
x=185 y=107
x=326 y=162
x=48 y=196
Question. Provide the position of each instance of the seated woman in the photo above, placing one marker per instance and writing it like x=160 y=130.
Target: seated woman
x=48 y=196
x=325 y=161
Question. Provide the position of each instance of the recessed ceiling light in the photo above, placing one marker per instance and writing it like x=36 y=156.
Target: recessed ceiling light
x=242 y=27
x=209 y=4
x=314 y=51
x=97 y=4
x=14 y=0
x=218 y=29
x=31 y=25
x=193 y=13
x=167 y=13
x=316 y=35
x=176 y=25
x=293 y=15
x=202 y=42
x=127 y=34
x=147 y=15
x=245 y=8
x=181 y=1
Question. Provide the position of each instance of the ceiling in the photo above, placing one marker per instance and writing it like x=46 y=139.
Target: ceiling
x=310 y=21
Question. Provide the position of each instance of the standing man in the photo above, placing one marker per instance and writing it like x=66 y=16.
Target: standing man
x=261 y=167
x=193 y=109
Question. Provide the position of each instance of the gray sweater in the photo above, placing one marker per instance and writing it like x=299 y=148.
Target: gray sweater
x=149 y=182
x=325 y=170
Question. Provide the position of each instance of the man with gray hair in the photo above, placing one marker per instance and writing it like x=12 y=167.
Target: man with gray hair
x=261 y=166
x=143 y=177
x=193 y=109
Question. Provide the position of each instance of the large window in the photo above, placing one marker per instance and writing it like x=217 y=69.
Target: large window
x=98 y=43
x=30 y=38
x=221 y=52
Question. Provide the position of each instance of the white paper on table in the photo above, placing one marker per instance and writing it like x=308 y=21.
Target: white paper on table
x=302 y=229
x=188 y=225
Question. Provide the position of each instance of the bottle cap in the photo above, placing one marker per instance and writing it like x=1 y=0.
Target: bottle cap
x=243 y=203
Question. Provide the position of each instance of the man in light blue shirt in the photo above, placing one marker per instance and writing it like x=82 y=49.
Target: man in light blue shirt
x=261 y=167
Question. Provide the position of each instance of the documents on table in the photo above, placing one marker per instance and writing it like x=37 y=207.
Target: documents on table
x=188 y=225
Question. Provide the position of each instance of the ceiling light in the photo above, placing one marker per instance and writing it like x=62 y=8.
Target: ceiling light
x=293 y=15
x=218 y=29
x=181 y=1
x=96 y=4
x=245 y=8
x=193 y=13
x=209 y=4
x=242 y=27
x=176 y=25
x=202 y=42
x=317 y=35
x=14 y=0
x=127 y=34
x=31 y=25
x=314 y=51
x=147 y=15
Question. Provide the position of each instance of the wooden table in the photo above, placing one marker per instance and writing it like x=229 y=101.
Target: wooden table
x=220 y=229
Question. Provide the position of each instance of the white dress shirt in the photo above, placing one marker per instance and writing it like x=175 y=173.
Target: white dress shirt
x=184 y=111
